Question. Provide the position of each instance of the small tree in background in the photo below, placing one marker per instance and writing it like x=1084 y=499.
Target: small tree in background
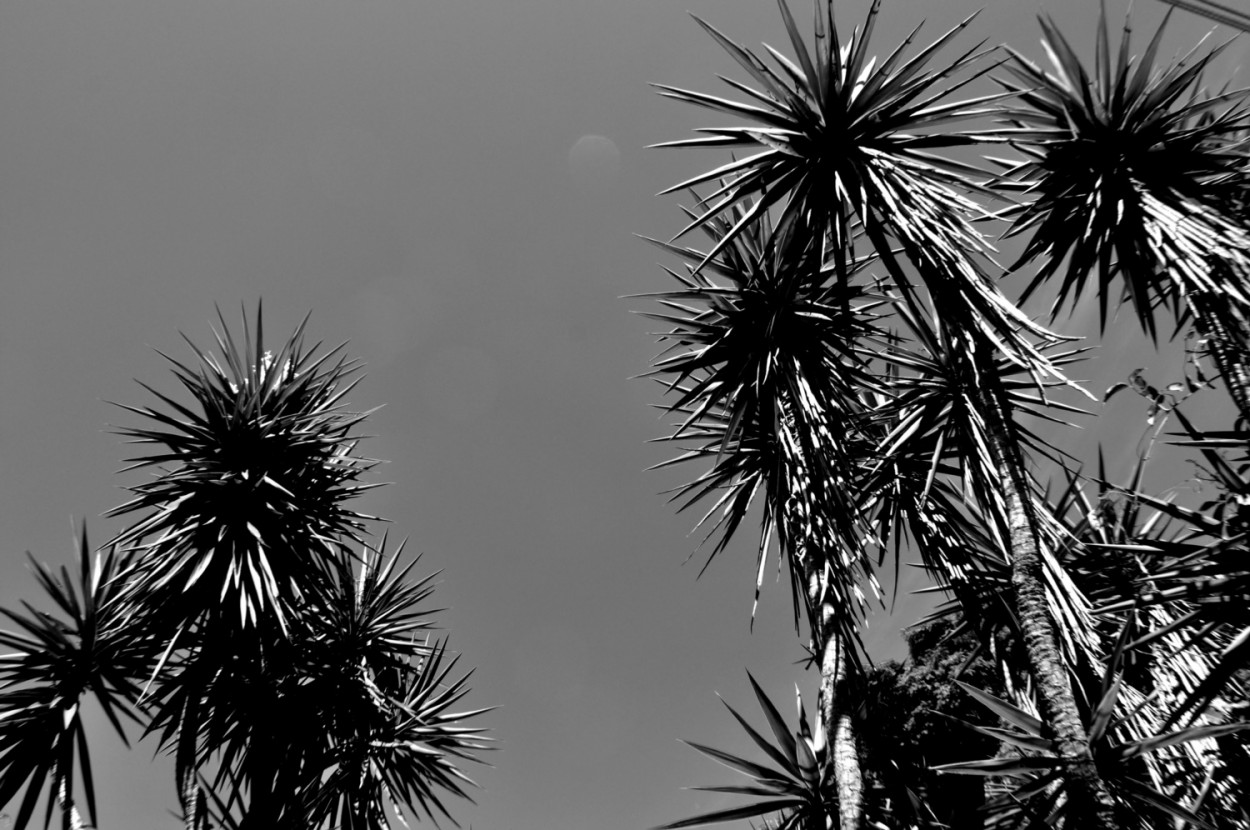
x=916 y=711
x=245 y=621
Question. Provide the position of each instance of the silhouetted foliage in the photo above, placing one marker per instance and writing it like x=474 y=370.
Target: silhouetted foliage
x=911 y=715
x=843 y=354
x=245 y=621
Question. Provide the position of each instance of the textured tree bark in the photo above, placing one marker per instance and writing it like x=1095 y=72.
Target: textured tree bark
x=840 y=729
x=810 y=555
x=70 y=818
x=840 y=739
x=191 y=795
x=1091 y=804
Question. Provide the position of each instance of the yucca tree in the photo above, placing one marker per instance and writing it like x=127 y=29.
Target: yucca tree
x=850 y=146
x=1166 y=573
x=936 y=477
x=88 y=646
x=1132 y=171
x=248 y=620
x=249 y=506
x=854 y=145
x=1101 y=545
x=763 y=358
x=956 y=459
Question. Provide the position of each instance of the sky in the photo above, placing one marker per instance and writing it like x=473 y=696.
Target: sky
x=453 y=186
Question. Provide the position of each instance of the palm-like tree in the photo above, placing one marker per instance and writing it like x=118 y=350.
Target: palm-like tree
x=955 y=458
x=1132 y=169
x=249 y=506
x=88 y=647
x=1116 y=548
x=845 y=146
x=245 y=618
x=850 y=145
x=1195 y=572
x=1138 y=174
x=1165 y=573
x=763 y=357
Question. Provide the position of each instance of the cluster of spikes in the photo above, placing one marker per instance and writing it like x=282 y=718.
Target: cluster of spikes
x=843 y=365
x=246 y=620
x=251 y=501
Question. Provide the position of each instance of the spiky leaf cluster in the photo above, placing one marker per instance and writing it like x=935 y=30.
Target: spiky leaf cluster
x=936 y=480
x=249 y=624
x=1037 y=794
x=86 y=648
x=1129 y=167
x=763 y=357
x=793 y=782
x=251 y=482
x=915 y=424
x=849 y=143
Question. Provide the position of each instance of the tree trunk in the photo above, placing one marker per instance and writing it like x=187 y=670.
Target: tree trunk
x=1091 y=805
x=840 y=740
x=840 y=732
x=261 y=772
x=195 y=811
x=70 y=818
x=811 y=553
x=191 y=805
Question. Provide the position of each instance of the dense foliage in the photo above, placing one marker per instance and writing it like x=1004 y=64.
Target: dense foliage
x=842 y=356
x=917 y=713
x=245 y=622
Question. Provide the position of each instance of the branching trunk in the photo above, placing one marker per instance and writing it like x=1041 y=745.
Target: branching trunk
x=1091 y=802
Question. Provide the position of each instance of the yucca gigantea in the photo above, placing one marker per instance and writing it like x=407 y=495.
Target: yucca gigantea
x=850 y=146
x=1123 y=552
x=956 y=410
x=248 y=505
x=763 y=356
x=247 y=620
x=1131 y=172
x=853 y=144
x=87 y=647
x=245 y=542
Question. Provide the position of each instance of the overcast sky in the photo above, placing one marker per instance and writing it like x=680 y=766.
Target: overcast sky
x=453 y=186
